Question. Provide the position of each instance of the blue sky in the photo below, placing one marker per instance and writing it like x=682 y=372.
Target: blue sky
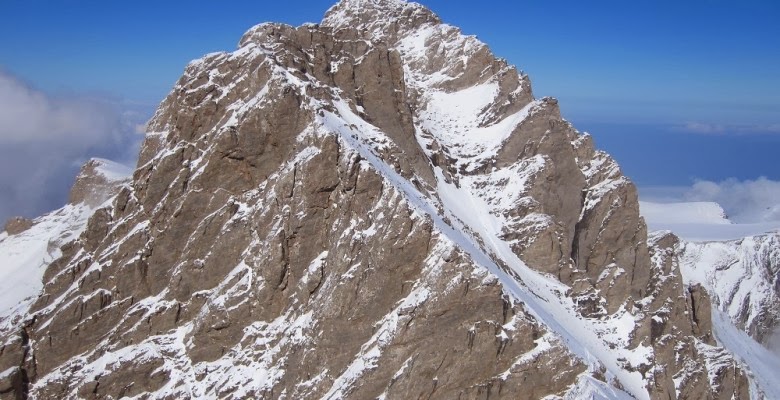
x=611 y=61
x=675 y=90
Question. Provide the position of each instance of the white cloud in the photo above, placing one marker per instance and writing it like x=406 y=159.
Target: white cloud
x=44 y=139
x=701 y=127
x=773 y=128
x=27 y=115
x=744 y=201
x=722 y=129
x=140 y=129
x=747 y=201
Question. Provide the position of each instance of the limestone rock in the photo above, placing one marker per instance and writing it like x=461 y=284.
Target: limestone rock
x=97 y=181
x=17 y=225
x=743 y=277
x=371 y=207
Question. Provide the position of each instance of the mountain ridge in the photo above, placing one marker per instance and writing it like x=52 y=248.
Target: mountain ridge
x=340 y=210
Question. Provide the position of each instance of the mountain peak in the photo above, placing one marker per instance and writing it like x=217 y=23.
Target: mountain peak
x=351 y=209
x=97 y=181
x=378 y=15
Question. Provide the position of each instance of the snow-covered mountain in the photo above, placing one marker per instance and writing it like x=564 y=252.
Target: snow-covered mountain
x=743 y=279
x=739 y=265
x=371 y=207
x=27 y=247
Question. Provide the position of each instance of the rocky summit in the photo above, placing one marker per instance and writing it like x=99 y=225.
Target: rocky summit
x=373 y=207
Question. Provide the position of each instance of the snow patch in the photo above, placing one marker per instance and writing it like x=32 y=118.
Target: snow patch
x=543 y=296
x=112 y=171
x=762 y=365
x=590 y=388
x=25 y=256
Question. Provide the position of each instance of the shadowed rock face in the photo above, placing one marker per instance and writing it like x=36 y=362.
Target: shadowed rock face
x=295 y=229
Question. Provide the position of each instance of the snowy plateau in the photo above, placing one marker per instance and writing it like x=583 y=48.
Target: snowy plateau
x=377 y=207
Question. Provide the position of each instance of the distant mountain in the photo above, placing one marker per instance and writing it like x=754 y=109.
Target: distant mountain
x=739 y=265
x=27 y=247
x=374 y=207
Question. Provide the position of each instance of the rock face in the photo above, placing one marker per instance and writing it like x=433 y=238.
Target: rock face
x=743 y=277
x=25 y=255
x=371 y=207
x=17 y=225
x=98 y=181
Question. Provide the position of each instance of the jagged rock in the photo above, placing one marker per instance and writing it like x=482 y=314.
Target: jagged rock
x=17 y=225
x=40 y=245
x=743 y=276
x=97 y=182
x=372 y=207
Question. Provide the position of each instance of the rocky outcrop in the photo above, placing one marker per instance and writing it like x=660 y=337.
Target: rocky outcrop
x=26 y=253
x=16 y=362
x=742 y=275
x=372 y=207
x=97 y=181
x=17 y=225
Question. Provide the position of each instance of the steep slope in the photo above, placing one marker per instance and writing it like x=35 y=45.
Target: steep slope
x=372 y=207
x=27 y=248
x=743 y=277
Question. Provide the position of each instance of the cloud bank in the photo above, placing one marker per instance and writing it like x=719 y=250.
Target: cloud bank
x=721 y=129
x=744 y=201
x=748 y=201
x=44 y=140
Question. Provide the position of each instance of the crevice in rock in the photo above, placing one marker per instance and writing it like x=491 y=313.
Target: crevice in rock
x=178 y=313
x=282 y=282
x=21 y=383
x=575 y=243
x=506 y=306
x=328 y=189
x=502 y=343
x=694 y=317
x=295 y=176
